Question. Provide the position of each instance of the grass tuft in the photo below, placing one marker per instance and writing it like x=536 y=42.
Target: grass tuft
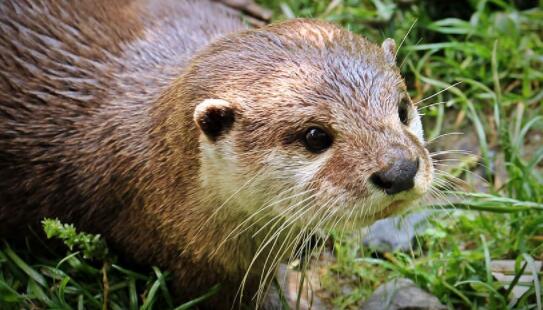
x=87 y=277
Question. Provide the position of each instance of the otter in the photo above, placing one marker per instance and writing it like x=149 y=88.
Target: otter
x=189 y=141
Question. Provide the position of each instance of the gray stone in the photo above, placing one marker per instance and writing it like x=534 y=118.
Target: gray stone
x=401 y=294
x=395 y=233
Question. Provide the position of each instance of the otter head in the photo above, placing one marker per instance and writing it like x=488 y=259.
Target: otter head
x=307 y=120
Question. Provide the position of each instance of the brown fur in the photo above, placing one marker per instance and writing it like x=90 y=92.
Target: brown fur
x=96 y=124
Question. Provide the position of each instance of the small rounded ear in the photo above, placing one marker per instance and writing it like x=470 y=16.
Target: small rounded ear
x=214 y=117
x=389 y=48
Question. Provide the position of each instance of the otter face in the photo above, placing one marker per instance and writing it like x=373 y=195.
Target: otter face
x=320 y=126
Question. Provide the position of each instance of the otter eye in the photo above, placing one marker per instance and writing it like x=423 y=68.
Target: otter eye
x=317 y=140
x=403 y=112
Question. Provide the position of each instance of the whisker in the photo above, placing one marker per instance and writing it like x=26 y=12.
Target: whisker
x=439 y=92
x=263 y=244
x=443 y=135
x=461 y=152
x=238 y=231
x=323 y=210
x=203 y=225
x=450 y=176
x=431 y=105
x=405 y=36
x=280 y=214
x=280 y=253
x=406 y=56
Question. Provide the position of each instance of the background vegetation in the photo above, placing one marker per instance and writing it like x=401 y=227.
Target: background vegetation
x=475 y=67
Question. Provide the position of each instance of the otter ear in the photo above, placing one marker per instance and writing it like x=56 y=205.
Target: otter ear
x=389 y=48
x=214 y=117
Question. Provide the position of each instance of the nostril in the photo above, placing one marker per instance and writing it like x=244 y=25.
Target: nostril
x=380 y=180
x=398 y=177
x=412 y=167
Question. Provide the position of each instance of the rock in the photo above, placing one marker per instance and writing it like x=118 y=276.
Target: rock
x=505 y=272
x=289 y=281
x=401 y=294
x=395 y=233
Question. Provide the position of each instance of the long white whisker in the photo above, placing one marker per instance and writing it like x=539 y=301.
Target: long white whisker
x=203 y=225
x=265 y=243
x=443 y=135
x=238 y=231
x=405 y=36
x=430 y=105
x=439 y=92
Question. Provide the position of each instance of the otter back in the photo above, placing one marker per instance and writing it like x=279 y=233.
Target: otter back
x=77 y=79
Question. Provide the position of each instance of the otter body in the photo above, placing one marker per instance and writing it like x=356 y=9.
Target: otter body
x=78 y=84
x=81 y=138
x=189 y=142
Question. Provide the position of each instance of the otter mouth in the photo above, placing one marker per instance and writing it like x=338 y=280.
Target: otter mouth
x=394 y=207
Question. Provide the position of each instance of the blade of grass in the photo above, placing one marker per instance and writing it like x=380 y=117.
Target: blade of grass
x=535 y=276
x=160 y=276
x=489 y=278
x=24 y=266
x=194 y=302
x=515 y=280
x=132 y=293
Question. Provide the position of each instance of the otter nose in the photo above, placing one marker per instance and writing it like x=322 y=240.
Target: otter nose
x=399 y=176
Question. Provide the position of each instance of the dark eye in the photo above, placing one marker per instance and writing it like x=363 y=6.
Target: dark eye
x=403 y=112
x=317 y=140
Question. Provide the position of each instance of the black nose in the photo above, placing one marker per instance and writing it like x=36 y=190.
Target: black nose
x=398 y=177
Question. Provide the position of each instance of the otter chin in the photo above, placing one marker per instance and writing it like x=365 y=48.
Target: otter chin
x=193 y=143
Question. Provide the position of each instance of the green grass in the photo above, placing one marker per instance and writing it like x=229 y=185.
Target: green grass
x=492 y=52
x=87 y=277
x=489 y=57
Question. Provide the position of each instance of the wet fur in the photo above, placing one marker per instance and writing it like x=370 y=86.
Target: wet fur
x=82 y=136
